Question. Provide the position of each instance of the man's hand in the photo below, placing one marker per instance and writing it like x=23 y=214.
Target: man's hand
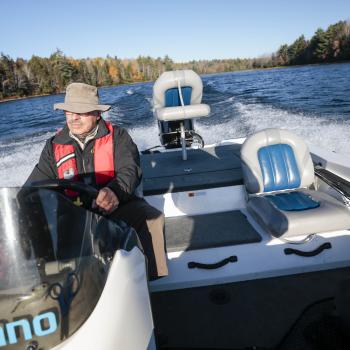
x=107 y=200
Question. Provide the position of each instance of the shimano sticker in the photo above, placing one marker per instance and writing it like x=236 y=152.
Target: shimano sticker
x=8 y=331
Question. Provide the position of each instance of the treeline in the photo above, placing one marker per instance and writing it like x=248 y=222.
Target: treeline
x=38 y=75
x=332 y=45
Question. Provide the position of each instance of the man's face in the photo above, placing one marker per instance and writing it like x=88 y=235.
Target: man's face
x=82 y=123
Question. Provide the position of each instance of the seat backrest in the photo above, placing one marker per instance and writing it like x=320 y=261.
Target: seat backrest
x=166 y=89
x=276 y=160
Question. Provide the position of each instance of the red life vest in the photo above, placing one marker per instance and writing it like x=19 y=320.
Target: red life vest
x=103 y=159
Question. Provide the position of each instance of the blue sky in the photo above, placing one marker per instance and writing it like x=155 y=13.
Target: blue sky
x=182 y=29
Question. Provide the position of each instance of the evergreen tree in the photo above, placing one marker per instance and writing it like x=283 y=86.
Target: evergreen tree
x=321 y=43
x=8 y=82
x=297 y=51
x=282 y=55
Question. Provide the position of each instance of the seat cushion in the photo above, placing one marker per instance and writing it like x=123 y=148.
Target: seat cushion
x=275 y=160
x=279 y=167
x=172 y=80
x=172 y=96
x=330 y=215
x=293 y=201
x=182 y=113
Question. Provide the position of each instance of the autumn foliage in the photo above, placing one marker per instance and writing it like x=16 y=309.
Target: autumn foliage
x=40 y=75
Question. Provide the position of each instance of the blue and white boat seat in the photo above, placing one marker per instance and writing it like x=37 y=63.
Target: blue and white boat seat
x=177 y=96
x=278 y=173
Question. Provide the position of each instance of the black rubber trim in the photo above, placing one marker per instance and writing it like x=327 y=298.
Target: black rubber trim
x=230 y=259
x=333 y=180
x=315 y=252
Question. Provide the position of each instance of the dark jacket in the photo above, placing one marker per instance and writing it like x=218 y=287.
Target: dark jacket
x=126 y=161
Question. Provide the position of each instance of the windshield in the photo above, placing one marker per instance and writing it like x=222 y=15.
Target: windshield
x=54 y=261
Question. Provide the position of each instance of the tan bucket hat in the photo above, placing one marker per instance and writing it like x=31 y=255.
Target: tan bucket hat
x=81 y=98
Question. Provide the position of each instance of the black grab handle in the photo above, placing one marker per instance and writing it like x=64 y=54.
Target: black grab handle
x=315 y=252
x=230 y=259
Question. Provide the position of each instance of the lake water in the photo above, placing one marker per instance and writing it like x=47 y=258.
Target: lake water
x=312 y=101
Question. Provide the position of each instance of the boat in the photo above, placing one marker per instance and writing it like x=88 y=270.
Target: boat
x=257 y=240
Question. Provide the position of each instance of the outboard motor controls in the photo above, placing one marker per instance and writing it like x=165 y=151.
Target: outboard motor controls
x=177 y=97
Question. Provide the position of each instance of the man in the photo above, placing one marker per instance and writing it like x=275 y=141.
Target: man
x=91 y=150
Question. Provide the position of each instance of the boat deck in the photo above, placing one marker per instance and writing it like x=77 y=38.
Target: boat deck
x=210 y=167
x=208 y=231
x=207 y=221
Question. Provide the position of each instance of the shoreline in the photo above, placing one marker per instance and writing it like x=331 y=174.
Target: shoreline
x=15 y=98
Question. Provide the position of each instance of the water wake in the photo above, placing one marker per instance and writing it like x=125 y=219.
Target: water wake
x=18 y=157
x=333 y=135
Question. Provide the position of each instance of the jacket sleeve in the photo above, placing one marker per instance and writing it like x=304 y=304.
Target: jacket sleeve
x=127 y=166
x=45 y=169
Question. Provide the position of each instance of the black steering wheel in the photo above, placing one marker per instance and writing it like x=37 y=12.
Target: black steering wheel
x=88 y=191
x=56 y=184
